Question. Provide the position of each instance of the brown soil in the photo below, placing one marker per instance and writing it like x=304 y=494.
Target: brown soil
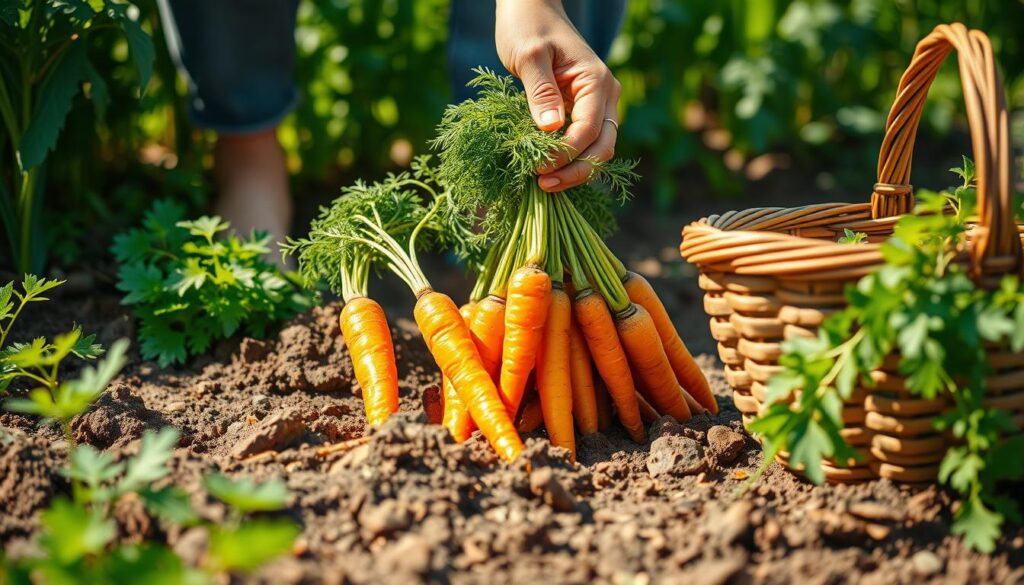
x=411 y=505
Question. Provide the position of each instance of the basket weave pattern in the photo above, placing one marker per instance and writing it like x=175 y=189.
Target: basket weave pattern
x=772 y=274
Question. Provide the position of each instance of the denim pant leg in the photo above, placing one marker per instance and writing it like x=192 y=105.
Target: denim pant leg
x=238 y=57
x=471 y=35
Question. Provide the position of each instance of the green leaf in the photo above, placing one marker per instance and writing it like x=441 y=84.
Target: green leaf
x=142 y=282
x=979 y=526
x=994 y=325
x=98 y=92
x=34 y=287
x=170 y=504
x=53 y=106
x=245 y=495
x=140 y=46
x=192 y=275
x=205 y=227
x=250 y=545
x=71 y=532
x=77 y=9
x=151 y=462
x=149 y=563
x=92 y=467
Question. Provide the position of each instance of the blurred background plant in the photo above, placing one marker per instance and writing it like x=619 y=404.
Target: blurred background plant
x=717 y=95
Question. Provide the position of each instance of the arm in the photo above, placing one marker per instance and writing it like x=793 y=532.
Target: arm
x=538 y=44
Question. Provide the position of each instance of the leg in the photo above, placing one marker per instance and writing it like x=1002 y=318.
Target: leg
x=252 y=181
x=239 y=59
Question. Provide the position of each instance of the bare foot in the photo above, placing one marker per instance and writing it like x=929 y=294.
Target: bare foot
x=252 y=178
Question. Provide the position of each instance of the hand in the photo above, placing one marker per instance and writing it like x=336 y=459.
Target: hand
x=538 y=44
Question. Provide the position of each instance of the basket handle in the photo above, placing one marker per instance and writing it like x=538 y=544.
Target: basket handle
x=996 y=245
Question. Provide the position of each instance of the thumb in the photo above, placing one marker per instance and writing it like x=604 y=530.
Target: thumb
x=546 y=104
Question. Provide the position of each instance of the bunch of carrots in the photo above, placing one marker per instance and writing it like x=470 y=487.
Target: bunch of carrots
x=556 y=333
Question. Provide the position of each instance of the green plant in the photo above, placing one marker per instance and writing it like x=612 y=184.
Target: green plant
x=45 y=52
x=39 y=360
x=77 y=543
x=924 y=305
x=188 y=287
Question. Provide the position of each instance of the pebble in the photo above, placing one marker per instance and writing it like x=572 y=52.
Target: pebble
x=675 y=455
x=926 y=563
x=260 y=400
x=176 y=406
x=725 y=444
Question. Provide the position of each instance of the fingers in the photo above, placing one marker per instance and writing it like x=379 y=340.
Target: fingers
x=542 y=93
x=579 y=170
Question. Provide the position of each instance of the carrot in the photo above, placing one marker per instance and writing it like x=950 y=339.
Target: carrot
x=488 y=329
x=456 y=418
x=604 y=405
x=584 y=399
x=691 y=402
x=529 y=294
x=449 y=340
x=686 y=370
x=532 y=416
x=554 y=383
x=595 y=322
x=368 y=337
x=647 y=412
x=647 y=357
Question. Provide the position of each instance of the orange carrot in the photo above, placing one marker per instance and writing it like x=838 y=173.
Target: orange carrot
x=595 y=322
x=647 y=412
x=643 y=347
x=553 y=373
x=691 y=402
x=449 y=340
x=532 y=416
x=368 y=337
x=604 y=405
x=584 y=399
x=529 y=294
x=488 y=329
x=456 y=417
x=686 y=370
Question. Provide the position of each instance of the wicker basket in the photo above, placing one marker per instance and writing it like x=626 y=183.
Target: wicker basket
x=771 y=274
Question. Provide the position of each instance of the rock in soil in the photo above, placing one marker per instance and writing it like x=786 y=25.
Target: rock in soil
x=675 y=455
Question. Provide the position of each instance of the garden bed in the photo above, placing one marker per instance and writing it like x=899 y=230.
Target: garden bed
x=411 y=504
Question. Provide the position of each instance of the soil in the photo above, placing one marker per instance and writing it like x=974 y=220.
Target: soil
x=410 y=505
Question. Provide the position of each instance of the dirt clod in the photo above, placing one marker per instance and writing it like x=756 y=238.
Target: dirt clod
x=725 y=444
x=546 y=486
x=272 y=434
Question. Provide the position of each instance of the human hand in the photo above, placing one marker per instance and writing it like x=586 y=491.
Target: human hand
x=538 y=44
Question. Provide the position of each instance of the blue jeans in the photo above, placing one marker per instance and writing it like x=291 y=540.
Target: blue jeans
x=238 y=56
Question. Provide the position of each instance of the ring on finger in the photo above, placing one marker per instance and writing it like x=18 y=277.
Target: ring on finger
x=613 y=123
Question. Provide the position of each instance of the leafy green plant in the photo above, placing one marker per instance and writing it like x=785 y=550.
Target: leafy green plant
x=77 y=543
x=190 y=284
x=851 y=237
x=924 y=305
x=39 y=360
x=45 y=49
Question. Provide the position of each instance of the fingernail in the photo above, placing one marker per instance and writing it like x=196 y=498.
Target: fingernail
x=549 y=117
x=549 y=182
